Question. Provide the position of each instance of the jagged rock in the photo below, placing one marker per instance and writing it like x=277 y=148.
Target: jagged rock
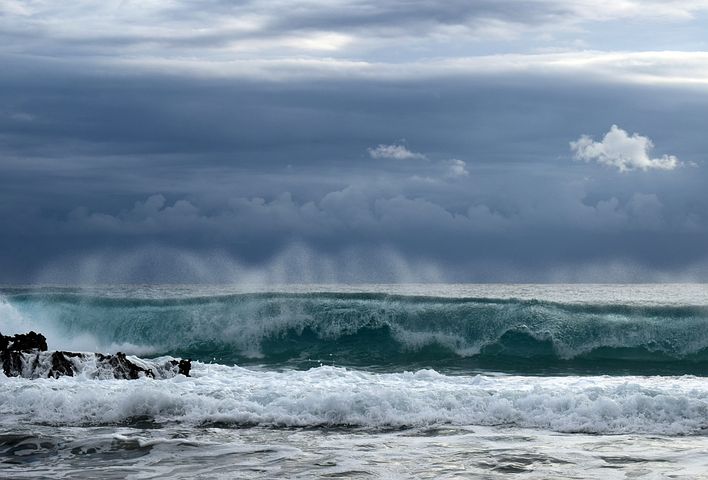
x=26 y=355
x=11 y=348
x=124 y=368
x=23 y=342
x=11 y=362
x=184 y=367
x=61 y=365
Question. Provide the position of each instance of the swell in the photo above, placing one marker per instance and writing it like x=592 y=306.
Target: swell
x=380 y=331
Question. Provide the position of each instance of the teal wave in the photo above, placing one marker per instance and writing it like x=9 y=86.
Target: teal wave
x=382 y=331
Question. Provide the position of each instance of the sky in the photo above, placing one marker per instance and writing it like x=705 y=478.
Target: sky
x=358 y=141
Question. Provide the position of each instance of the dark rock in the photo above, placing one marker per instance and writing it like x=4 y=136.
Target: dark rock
x=11 y=363
x=12 y=346
x=23 y=342
x=61 y=365
x=124 y=368
x=26 y=355
x=184 y=367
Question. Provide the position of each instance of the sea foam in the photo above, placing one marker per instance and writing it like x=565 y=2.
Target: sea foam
x=334 y=397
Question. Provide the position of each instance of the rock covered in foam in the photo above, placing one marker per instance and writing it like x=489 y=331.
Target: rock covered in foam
x=26 y=355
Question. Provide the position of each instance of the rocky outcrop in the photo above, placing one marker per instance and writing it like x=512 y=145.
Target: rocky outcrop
x=23 y=342
x=26 y=355
x=11 y=348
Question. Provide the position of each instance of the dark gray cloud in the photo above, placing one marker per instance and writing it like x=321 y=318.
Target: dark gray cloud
x=279 y=141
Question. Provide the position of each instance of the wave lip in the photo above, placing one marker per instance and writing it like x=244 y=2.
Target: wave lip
x=336 y=397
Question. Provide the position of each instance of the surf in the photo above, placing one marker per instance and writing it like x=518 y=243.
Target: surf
x=334 y=397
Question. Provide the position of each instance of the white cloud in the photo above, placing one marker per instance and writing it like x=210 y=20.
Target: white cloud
x=450 y=169
x=457 y=168
x=623 y=151
x=609 y=10
x=394 y=151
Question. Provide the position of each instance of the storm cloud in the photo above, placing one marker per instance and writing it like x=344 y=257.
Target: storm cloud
x=269 y=137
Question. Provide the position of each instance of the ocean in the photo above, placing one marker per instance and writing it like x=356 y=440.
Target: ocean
x=366 y=381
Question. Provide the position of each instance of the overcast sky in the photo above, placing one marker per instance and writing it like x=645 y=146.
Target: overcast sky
x=388 y=140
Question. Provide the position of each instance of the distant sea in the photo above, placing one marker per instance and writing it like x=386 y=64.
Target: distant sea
x=366 y=381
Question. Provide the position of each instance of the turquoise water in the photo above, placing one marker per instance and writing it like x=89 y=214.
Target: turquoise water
x=381 y=331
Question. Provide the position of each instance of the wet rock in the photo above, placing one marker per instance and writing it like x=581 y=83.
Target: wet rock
x=11 y=348
x=26 y=355
x=23 y=342
x=11 y=363
x=61 y=364
x=124 y=368
x=184 y=367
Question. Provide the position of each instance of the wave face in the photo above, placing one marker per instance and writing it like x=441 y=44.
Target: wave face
x=373 y=330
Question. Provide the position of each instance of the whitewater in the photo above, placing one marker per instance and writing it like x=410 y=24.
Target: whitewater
x=362 y=381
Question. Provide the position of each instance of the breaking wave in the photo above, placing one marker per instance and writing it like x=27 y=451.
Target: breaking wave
x=371 y=330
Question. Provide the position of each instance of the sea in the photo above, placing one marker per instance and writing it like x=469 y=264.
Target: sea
x=442 y=381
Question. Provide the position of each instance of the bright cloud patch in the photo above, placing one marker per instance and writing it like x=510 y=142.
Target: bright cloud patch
x=397 y=152
x=623 y=151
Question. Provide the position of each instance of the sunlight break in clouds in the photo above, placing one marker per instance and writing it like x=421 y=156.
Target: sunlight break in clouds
x=619 y=149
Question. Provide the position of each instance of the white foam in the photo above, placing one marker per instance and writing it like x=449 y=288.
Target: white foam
x=333 y=396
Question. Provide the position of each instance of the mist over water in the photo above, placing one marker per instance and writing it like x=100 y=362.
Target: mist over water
x=300 y=263
x=296 y=264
